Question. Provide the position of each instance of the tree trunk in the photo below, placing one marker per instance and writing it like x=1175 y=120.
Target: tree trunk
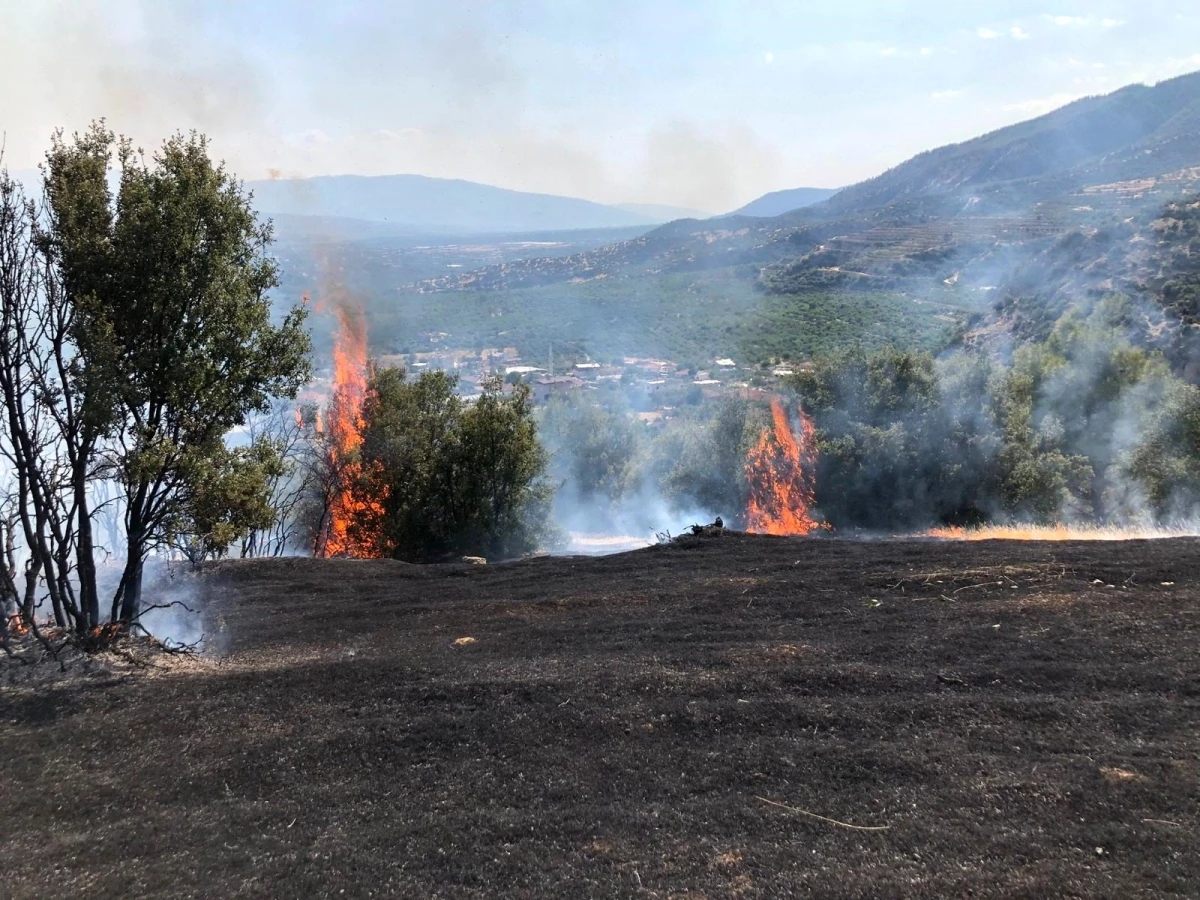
x=10 y=601
x=89 y=596
x=131 y=599
x=56 y=585
x=1099 y=507
x=131 y=578
x=33 y=568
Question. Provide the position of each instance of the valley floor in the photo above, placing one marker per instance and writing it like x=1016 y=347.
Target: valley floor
x=704 y=719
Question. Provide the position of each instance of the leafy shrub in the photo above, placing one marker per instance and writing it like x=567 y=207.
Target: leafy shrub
x=450 y=477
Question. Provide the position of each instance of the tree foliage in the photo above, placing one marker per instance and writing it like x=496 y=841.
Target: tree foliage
x=594 y=447
x=156 y=342
x=1081 y=427
x=698 y=460
x=450 y=477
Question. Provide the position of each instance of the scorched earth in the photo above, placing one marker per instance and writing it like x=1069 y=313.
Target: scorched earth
x=722 y=716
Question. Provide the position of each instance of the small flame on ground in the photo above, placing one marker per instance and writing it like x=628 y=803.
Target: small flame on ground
x=781 y=471
x=107 y=632
x=1027 y=532
x=344 y=424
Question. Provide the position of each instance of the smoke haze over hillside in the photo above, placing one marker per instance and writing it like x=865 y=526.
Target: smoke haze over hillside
x=704 y=106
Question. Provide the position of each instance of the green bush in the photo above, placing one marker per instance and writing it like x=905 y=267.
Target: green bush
x=451 y=477
x=1081 y=427
x=594 y=446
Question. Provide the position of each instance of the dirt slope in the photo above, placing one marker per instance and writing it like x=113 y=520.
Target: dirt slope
x=1023 y=718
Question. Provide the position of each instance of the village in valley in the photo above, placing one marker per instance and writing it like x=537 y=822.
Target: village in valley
x=653 y=387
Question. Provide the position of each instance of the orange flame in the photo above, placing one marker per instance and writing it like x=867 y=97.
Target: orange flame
x=344 y=424
x=106 y=632
x=1058 y=532
x=781 y=470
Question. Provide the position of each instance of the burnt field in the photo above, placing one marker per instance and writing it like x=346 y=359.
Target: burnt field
x=722 y=717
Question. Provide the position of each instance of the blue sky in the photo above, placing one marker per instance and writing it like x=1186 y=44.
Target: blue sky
x=700 y=104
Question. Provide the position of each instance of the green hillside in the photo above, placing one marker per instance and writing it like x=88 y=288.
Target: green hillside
x=692 y=318
x=994 y=236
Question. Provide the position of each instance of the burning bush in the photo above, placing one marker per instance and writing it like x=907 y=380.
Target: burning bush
x=349 y=524
x=436 y=477
x=781 y=474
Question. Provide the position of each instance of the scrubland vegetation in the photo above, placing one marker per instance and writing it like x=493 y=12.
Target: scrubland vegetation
x=136 y=332
x=1083 y=427
x=439 y=478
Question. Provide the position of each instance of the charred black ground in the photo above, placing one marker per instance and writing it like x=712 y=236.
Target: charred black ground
x=1022 y=717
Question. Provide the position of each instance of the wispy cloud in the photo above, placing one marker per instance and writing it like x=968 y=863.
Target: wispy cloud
x=1085 y=21
x=1016 y=32
x=1176 y=65
x=946 y=95
x=312 y=136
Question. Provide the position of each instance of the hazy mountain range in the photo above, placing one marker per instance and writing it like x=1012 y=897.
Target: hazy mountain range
x=990 y=239
x=357 y=206
x=1081 y=165
x=777 y=203
x=370 y=206
x=1136 y=132
x=663 y=213
x=420 y=204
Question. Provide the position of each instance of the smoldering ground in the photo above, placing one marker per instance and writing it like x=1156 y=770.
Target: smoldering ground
x=983 y=704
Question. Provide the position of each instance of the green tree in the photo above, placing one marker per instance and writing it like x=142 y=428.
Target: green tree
x=593 y=447
x=498 y=475
x=1081 y=426
x=449 y=477
x=229 y=496
x=1041 y=478
x=885 y=442
x=1167 y=462
x=1073 y=410
x=698 y=460
x=75 y=240
x=174 y=332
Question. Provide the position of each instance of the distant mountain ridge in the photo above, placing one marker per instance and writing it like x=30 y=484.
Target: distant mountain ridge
x=1079 y=166
x=662 y=212
x=1136 y=132
x=419 y=204
x=777 y=203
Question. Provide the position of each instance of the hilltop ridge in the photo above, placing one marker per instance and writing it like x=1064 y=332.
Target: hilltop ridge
x=424 y=205
x=1136 y=132
x=963 y=223
x=777 y=203
x=1086 y=161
